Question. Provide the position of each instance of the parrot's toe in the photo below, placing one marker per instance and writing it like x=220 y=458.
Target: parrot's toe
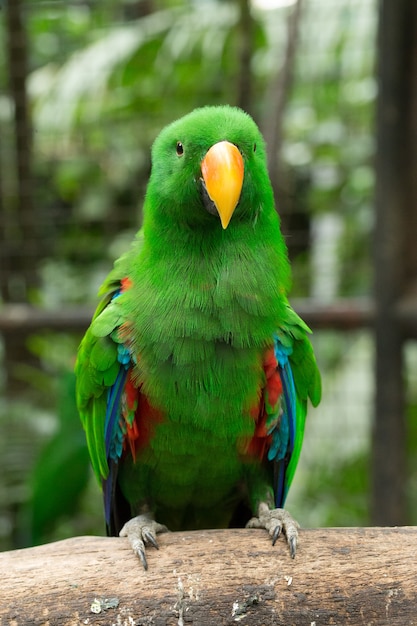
x=276 y=521
x=142 y=531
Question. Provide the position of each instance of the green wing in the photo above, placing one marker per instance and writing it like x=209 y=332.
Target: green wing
x=98 y=366
x=301 y=381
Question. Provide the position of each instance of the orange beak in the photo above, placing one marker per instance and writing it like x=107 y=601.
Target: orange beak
x=223 y=169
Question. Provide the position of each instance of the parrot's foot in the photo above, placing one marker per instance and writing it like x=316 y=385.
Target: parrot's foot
x=276 y=521
x=142 y=531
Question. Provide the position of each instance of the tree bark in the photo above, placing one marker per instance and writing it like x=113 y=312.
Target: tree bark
x=339 y=576
x=394 y=250
x=246 y=27
x=20 y=235
x=22 y=225
x=341 y=314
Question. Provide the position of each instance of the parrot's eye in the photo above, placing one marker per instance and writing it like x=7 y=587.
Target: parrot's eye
x=180 y=148
x=254 y=147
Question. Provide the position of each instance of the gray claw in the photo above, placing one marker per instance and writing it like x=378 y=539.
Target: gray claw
x=142 y=556
x=293 y=546
x=149 y=538
x=276 y=534
x=276 y=521
x=141 y=531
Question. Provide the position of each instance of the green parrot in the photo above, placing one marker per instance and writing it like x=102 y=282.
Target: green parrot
x=194 y=375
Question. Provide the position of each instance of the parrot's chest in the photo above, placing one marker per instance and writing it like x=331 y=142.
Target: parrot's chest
x=195 y=453
x=199 y=339
x=203 y=367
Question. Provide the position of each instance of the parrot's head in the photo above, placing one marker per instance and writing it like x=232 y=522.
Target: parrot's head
x=209 y=170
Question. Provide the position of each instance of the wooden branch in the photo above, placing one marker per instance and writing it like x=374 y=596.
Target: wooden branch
x=341 y=314
x=339 y=576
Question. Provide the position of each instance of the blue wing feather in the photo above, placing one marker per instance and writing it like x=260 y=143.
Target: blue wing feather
x=283 y=436
x=113 y=433
x=113 y=429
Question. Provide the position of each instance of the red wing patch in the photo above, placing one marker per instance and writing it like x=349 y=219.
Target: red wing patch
x=266 y=413
x=141 y=426
x=126 y=284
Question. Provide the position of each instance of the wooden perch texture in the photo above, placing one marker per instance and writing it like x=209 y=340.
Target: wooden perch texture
x=340 y=576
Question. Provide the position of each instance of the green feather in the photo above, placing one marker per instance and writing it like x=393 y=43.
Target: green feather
x=96 y=370
x=103 y=354
x=106 y=321
x=96 y=440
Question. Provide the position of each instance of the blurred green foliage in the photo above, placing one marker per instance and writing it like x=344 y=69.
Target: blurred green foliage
x=105 y=77
x=61 y=469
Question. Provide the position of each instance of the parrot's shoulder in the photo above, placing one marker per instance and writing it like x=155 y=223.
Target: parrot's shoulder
x=120 y=271
x=292 y=342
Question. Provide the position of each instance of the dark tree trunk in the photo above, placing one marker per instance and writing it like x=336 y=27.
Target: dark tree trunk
x=395 y=250
x=20 y=240
x=245 y=79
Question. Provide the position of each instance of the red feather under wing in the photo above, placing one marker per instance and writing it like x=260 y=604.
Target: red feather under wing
x=266 y=412
x=140 y=417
